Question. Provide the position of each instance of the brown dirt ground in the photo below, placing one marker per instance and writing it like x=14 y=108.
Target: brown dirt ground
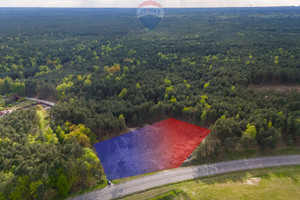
x=281 y=88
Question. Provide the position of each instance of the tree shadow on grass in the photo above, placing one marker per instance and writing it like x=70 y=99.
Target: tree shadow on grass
x=220 y=178
x=289 y=172
x=240 y=176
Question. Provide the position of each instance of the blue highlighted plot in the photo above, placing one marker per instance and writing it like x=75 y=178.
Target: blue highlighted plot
x=163 y=145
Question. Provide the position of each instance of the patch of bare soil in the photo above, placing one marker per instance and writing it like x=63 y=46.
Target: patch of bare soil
x=252 y=181
x=281 y=88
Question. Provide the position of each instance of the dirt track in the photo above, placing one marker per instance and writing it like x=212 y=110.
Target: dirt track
x=281 y=88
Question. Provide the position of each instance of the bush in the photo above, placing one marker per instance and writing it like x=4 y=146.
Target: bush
x=63 y=185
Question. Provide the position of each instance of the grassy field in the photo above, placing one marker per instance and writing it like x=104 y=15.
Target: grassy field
x=172 y=194
x=24 y=104
x=268 y=183
x=16 y=105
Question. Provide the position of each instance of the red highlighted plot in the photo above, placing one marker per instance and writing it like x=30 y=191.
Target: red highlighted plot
x=163 y=145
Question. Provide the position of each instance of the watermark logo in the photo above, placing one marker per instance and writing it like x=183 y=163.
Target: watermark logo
x=150 y=13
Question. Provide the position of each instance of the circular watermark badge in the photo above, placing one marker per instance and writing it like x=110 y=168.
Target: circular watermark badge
x=150 y=13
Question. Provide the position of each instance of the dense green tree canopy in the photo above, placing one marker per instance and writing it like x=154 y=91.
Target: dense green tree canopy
x=107 y=73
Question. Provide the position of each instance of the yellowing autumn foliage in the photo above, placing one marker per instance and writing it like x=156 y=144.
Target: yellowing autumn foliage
x=113 y=69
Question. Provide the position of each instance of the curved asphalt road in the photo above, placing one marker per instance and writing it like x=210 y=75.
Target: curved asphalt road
x=185 y=173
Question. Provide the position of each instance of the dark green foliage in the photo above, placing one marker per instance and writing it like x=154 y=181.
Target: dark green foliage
x=33 y=166
x=107 y=74
x=63 y=185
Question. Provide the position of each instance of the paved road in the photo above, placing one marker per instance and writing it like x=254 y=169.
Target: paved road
x=185 y=173
x=48 y=103
x=42 y=101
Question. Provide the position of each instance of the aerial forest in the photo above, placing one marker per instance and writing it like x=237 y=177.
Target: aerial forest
x=107 y=74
